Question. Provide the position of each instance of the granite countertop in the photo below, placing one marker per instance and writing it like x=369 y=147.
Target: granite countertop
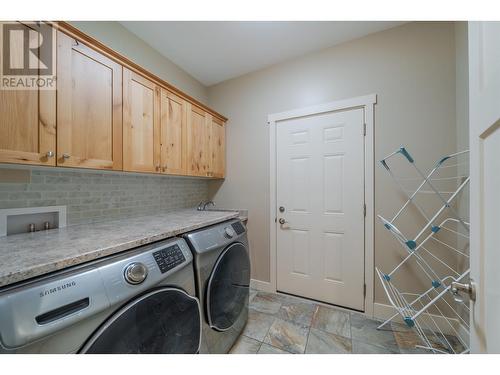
x=27 y=255
x=243 y=213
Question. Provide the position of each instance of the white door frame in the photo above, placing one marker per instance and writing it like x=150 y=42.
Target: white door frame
x=367 y=103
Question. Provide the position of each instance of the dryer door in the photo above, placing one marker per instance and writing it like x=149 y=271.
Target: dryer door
x=228 y=287
x=162 y=321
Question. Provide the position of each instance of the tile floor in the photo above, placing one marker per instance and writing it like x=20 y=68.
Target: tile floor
x=281 y=324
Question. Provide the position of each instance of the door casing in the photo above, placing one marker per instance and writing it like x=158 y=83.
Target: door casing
x=367 y=103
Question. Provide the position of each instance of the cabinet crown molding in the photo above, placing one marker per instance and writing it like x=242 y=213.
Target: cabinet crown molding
x=76 y=33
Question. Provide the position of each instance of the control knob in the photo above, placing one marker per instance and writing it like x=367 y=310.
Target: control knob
x=229 y=232
x=135 y=273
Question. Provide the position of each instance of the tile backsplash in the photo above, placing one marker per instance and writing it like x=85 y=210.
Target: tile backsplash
x=92 y=196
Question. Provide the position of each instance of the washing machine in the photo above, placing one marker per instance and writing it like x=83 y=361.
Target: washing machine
x=222 y=273
x=140 y=301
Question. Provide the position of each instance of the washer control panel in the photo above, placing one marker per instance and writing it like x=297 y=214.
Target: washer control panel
x=169 y=257
x=217 y=236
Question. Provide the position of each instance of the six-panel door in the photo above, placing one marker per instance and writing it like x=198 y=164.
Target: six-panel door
x=320 y=190
x=141 y=123
x=27 y=120
x=89 y=107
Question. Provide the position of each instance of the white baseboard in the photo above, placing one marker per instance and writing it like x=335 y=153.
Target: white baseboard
x=264 y=286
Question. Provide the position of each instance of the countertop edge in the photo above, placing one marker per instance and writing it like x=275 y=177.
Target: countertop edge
x=18 y=276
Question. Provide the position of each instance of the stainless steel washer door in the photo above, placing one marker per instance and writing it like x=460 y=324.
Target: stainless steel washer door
x=228 y=287
x=163 y=321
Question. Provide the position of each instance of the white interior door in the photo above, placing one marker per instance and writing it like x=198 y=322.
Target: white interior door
x=484 y=100
x=320 y=195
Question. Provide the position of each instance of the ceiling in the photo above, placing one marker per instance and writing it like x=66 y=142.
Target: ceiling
x=213 y=52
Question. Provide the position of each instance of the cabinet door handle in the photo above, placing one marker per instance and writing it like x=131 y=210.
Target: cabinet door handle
x=65 y=156
x=49 y=154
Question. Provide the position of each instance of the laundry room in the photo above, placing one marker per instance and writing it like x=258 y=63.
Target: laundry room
x=208 y=182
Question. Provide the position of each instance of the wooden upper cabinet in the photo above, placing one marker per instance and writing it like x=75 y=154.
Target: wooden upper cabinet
x=198 y=141
x=217 y=148
x=27 y=122
x=107 y=113
x=141 y=123
x=89 y=107
x=173 y=133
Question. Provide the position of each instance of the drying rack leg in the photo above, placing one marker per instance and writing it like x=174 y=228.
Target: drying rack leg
x=387 y=321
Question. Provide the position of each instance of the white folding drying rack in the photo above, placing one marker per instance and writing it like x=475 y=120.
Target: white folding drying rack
x=437 y=252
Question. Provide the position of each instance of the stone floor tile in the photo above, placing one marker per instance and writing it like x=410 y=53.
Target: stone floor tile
x=245 y=345
x=266 y=303
x=297 y=312
x=332 y=321
x=253 y=293
x=289 y=324
x=365 y=330
x=444 y=343
x=359 y=347
x=269 y=349
x=320 y=342
x=258 y=325
x=407 y=339
x=287 y=336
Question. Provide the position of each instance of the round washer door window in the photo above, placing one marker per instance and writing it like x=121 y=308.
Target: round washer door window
x=228 y=287
x=164 y=321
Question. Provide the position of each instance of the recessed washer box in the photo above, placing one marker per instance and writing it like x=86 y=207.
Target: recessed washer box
x=17 y=220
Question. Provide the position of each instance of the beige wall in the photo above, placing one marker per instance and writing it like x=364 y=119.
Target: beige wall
x=462 y=83
x=117 y=37
x=411 y=68
x=462 y=110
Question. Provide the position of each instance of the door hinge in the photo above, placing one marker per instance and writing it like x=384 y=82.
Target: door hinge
x=364 y=128
x=364 y=290
x=364 y=209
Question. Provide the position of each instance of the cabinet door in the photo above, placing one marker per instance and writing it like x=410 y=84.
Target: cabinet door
x=173 y=133
x=89 y=107
x=198 y=142
x=217 y=148
x=141 y=123
x=27 y=121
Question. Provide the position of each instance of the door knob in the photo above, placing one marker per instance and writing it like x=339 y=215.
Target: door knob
x=282 y=209
x=458 y=288
x=282 y=221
